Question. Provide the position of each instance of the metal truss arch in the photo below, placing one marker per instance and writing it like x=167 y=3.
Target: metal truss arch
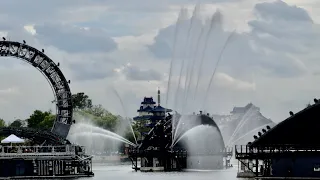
x=54 y=76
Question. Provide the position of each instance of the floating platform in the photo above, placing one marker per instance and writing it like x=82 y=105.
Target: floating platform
x=39 y=162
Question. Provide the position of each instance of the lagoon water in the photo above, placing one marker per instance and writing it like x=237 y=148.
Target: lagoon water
x=124 y=172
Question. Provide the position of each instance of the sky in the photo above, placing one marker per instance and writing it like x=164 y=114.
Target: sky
x=127 y=46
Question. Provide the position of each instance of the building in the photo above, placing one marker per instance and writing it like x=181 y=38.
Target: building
x=150 y=113
x=237 y=110
x=288 y=150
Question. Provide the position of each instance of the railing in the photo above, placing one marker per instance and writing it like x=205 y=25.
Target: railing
x=154 y=150
x=40 y=150
x=243 y=150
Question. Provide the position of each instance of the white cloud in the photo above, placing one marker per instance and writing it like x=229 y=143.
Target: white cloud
x=226 y=81
x=271 y=61
x=30 y=29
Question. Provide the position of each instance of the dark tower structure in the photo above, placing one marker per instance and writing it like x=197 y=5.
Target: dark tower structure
x=160 y=152
x=158 y=97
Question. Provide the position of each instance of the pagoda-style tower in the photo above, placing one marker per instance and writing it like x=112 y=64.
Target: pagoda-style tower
x=149 y=114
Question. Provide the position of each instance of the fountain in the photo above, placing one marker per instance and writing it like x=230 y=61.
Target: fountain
x=180 y=136
x=90 y=129
x=84 y=132
x=124 y=110
x=171 y=136
x=201 y=141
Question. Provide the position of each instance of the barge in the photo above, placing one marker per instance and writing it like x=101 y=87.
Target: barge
x=290 y=150
x=29 y=162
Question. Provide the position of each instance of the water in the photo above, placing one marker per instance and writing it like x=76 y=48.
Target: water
x=124 y=172
x=249 y=133
x=95 y=139
x=125 y=113
x=99 y=136
x=83 y=127
x=197 y=52
x=249 y=114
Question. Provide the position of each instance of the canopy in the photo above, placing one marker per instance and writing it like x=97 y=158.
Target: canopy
x=12 y=139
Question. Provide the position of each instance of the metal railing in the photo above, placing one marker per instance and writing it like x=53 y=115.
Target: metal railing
x=155 y=150
x=6 y=151
x=273 y=149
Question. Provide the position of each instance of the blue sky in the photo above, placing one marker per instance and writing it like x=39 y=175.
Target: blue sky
x=271 y=61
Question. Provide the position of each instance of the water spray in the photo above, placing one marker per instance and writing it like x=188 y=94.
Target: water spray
x=123 y=107
x=216 y=66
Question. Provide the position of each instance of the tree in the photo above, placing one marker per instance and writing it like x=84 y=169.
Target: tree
x=2 y=123
x=17 y=123
x=98 y=110
x=34 y=121
x=81 y=101
x=47 y=122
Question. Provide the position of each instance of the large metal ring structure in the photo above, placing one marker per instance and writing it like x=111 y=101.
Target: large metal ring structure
x=56 y=79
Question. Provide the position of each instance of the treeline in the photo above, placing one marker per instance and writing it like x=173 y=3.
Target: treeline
x=83 y=108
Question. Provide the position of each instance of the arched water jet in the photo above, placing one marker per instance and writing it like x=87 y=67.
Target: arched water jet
x=189 y=120
x=89 y=128
x=186 y=133
x=102 y=135
x=203 y=144
x=215 y=17
x=125 y=113
x=189 y=48
x=243 y=120
x=178 y=24
x=192 y=65
x=216 y=66
x=193 y=18
x=249 y=133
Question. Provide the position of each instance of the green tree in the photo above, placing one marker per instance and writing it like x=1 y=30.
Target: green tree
x=2 y=123
x=139 y=126
x=98 y=110
x=17 y=123
x=81 y=101
x=34 y=121
x=47 y=122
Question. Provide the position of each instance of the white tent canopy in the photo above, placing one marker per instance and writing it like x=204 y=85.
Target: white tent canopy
x=12 y=139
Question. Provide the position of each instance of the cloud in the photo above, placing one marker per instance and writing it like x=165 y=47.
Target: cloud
x=280 y=47
x=255 y=50
x=8 y=91
x=90 y=71
x=137 y=74
x=75 y=39
x=272 y=62
x=279 y=10
x=227 y=81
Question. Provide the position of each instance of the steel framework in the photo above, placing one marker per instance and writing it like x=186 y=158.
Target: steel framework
x=56 y=79
x=158 y=144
